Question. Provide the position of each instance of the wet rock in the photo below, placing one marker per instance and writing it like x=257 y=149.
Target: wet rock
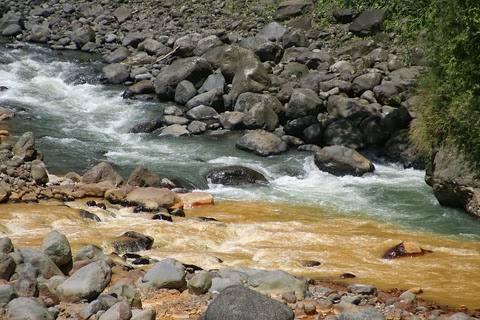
x=115 y=73
x=193 y=69
x=175 y=130
x=132 y=241
x=168 y=273
x=340 y=161
x=234 y=175
x=347 y=276
x=153 y=197
x=88 y=215
x=27 y=308
x=102 y=172
x=368 y=22
x=162 y=217
x=404 y=249
x=141 y=176
x=296 y=127
x=148 y=126
x=86 y=283
x=262 y=143
x=238 y=302
x=196 y=199
x=310 y=263
x=56 y=246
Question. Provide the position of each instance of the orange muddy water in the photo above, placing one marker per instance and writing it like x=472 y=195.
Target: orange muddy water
x=269 y=237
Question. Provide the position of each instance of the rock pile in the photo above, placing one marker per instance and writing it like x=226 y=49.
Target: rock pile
x=37 y=284
x=290 y=82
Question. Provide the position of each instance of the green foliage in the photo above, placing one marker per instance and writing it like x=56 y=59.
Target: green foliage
x=451 y=109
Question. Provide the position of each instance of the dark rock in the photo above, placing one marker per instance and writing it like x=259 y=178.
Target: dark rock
x=343 y=15
x=404 y=249
x=148 y=126
x=303 y=102
x=266 y=50
x=207 y=219
x=310 y=263
x=193 y=69
x=132 y=241
x=88 y=215
x=347 y=276
x=185 y=45
x=262 y=143
x=289 y=9
x=387 y=94
x=368 y=22
x=234 y=175
x=206 y=44
x=240 y=303
x=134 y=38
x=362 y=289
x=340 y=161
x=295 y=38
x=6 y=245
x=397 y=119
x=162 y=217
x=366 y=82
x=313 y=134
x=232 y=120
x=12 y=30
x=343 y=107
x=184 y=91
x=296 y=127
x=343 y=132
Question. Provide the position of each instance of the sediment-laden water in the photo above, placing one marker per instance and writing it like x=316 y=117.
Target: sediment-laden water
x=300 y=214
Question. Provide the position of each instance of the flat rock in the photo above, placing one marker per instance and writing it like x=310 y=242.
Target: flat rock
x=262 y=143
x=340 y=161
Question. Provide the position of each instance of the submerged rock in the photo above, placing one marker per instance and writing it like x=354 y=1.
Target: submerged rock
x=405 y=249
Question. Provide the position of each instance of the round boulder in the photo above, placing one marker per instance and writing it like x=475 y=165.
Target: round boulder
x=234 y=176
x=262 y=143
x=240 y=303
x=168 y=273
x=56 y=246
x=102 y=172
x=115 y=73
x=341 y=161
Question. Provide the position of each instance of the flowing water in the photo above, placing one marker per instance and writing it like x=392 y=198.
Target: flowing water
x=300 y=214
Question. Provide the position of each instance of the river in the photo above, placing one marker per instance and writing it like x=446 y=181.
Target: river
x=300 y=214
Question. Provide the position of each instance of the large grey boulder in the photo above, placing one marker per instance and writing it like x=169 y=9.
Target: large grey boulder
x=102 y=172
x=86 y=283
x=343 y=107
x=387 y=93
x=117 y=56
x=12 y=30
x=366 y=82
x=25 y=146
x=216 y=81
x=212 y=98
x=168 y=273
x=303 y=102
x=245 y=70
x=341 y=161
x=368 y=22
x=41 y=261
x=184 y=91
x=27 y=308
x=232 y=120
x=262 y=143
x=153 y=47
x=27 y=284
x=202 y=112
x=454 y=182
x=193 y=69
x=240 y=303
x=261 y=116
x=234 y=176
x=56 y=246
x=205 y=44
x=115 y=73
x=200 y=283
x=185 y=45
x=6 y=245
x=91 y=253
